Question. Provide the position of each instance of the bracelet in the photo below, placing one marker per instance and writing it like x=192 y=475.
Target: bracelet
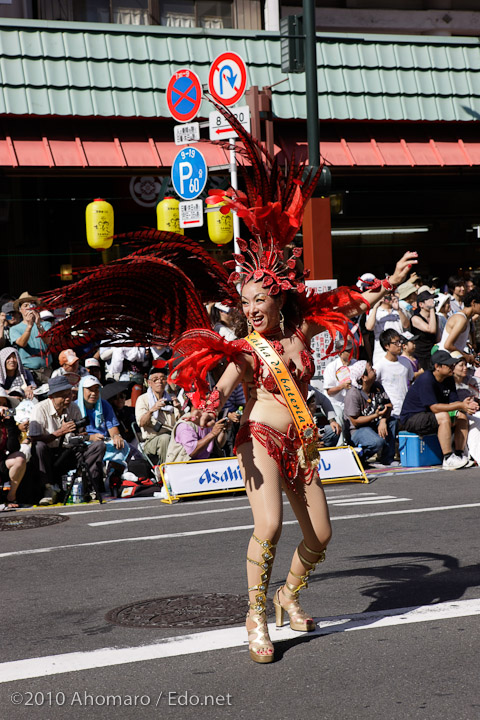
x=389 y=287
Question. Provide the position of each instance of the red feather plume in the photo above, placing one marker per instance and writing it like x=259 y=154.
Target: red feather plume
x=149 y=297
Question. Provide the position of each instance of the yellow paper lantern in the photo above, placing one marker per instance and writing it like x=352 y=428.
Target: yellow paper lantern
x=168 y=215
x=220 y=226
x=99 y=220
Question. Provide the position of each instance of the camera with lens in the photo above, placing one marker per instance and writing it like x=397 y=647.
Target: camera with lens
x=80 y=425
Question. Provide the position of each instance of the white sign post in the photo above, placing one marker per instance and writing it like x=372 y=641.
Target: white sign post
x=191 y=213
x=220 y=128
x=188 y=133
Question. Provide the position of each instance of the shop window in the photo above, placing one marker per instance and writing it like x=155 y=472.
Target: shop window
x=210 y=14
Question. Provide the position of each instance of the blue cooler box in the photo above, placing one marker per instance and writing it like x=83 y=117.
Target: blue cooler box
x=416 y=451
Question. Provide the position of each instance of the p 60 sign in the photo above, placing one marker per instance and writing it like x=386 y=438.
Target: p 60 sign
x=189 y=173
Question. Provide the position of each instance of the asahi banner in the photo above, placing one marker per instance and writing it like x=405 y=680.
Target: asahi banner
x=201 y=476
x=198 y=477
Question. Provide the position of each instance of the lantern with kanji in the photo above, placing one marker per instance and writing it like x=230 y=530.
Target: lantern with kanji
x=220 y=226
x=168 y=215
x=99 y=221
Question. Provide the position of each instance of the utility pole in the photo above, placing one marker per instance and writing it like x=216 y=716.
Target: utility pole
x=311 y=85
x=317 y=228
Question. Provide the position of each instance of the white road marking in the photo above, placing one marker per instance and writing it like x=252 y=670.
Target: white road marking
x=226 y=638
x=369 y=501
x=213 y=531
x=124 y=505
x=121 y=521
x=167 y=517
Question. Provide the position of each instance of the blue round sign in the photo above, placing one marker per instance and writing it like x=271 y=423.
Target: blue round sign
x=189 y=173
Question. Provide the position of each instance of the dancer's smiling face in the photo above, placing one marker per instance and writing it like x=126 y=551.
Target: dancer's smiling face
x=260 y=308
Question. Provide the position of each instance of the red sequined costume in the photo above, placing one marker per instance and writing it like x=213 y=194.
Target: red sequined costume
x=283 y=447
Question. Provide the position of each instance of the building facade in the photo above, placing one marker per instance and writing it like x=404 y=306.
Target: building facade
x=83 y=114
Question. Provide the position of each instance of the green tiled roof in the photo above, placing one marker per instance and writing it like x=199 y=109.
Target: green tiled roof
x=54 y=68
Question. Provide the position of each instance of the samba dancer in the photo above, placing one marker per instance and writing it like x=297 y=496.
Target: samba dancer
x=149 y=297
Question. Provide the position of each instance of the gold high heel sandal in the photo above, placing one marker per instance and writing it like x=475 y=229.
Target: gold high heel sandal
x=259 y=643
x=299 y=620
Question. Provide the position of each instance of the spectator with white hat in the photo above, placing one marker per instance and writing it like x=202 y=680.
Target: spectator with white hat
x=52 y=423
x=407 y=294
x=93 y=367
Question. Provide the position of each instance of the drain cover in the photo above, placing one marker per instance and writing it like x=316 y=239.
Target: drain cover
x=185 y=611
x=27 y=522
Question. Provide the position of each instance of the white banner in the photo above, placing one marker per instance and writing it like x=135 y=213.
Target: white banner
x=198 y=477
x=201 y=476
x=340 y=464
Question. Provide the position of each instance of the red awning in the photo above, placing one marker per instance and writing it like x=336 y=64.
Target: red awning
x=429 y=153
x=151 y=154
x=88 y=152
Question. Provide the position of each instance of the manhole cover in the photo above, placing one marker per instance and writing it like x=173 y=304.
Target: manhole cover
x=27 y=522
x=187 y=611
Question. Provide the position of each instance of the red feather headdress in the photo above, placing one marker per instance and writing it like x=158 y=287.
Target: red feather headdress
x=272 y=209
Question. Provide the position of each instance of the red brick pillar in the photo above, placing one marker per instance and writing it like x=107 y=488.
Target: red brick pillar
x=317 y=239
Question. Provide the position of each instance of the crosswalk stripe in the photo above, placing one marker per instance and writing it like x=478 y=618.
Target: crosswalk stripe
x=225 y=638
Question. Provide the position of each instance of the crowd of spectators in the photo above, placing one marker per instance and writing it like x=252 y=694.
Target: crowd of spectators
x=418 y=372
x=414 y=369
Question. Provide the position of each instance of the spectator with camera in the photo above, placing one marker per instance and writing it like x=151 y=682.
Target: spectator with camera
x=102 y=425
x=12 y=462
x=53 y=423
x=156 y=412
x=367 y=411
x=8 y=318
x=26 y=337
x=195 y=435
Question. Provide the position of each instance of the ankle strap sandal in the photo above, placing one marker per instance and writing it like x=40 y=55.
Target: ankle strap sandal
x=260 y=645
x=299 y=620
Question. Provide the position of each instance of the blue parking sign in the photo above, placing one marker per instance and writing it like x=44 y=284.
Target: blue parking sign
x=189 y=173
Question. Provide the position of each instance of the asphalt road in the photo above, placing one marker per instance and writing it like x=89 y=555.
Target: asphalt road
x=397 y=605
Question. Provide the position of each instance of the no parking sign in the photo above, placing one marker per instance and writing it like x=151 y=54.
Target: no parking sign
x=227 y=78
x=184 y=95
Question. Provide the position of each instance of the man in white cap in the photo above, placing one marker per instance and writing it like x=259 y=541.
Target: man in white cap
x=52 y=423
x=93 y=367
